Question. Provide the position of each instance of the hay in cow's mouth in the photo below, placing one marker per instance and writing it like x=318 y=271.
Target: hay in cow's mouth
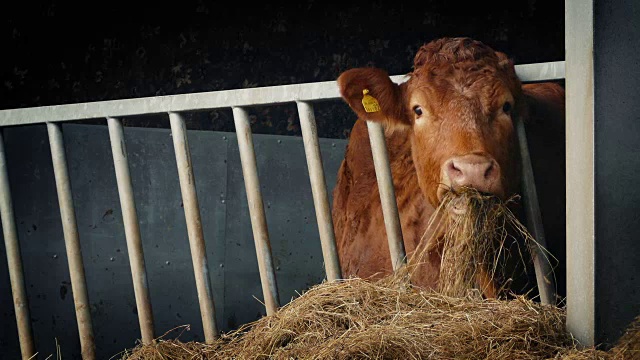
x=476 y=238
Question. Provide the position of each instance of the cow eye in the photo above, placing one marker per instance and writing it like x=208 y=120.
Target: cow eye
x=418 y=110
x=506 y=107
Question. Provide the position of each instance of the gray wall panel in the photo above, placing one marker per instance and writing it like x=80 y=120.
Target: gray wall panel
x=617 y=165
x=227 y=231
x=41 y=240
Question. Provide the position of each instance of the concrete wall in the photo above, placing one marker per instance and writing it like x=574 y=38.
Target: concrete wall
x=617 y=165
x=227 y=230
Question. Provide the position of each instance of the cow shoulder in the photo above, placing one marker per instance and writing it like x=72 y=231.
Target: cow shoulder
x=356 y=179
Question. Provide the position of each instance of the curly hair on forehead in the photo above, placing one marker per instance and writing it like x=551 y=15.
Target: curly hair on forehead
x=464 y=61
x=456 y=50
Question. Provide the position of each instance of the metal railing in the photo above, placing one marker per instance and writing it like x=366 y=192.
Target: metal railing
x=113 y=111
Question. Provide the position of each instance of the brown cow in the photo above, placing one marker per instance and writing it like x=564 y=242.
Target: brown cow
x=450 y=124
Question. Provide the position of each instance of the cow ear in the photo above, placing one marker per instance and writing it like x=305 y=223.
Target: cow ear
x=384 y=98
x=545 y=102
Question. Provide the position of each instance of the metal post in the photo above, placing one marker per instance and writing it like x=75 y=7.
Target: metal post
x=256 y=210
x=580 y=181
x=71 y=241
x=14 y=260
x=194 y=226
x=387 y=194
x=319 y=190
x=544 y=273
x=131 y=229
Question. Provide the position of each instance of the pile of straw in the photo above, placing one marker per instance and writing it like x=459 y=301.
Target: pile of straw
x=359 y=319
x=390 y=319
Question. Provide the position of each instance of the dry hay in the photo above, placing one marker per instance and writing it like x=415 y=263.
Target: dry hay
x=390 y=319
x=360 y=319
x=479 y=246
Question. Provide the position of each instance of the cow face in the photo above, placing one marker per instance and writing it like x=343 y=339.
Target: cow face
x=458 y=104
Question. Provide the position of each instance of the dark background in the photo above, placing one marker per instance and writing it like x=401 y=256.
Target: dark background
x=57 y=52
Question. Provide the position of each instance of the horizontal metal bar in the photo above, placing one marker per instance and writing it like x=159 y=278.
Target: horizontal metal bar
x=541 y=72
x=14 y=261
x=326 y=90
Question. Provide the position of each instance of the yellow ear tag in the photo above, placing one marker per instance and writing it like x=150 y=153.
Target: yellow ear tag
x=369 y=102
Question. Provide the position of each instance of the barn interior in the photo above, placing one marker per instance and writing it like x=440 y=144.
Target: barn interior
x=70 y=52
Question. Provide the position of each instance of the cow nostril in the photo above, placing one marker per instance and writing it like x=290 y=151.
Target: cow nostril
x=454 y=170
x=489 y=172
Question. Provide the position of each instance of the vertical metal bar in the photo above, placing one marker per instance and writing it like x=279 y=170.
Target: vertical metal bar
x=256 y=210
x=580 y=181
x=319 y=190
x=194 y=226
x=71 y=241
x=544 y=273
x=387 y=194
x=14 y=260
x=131 y=229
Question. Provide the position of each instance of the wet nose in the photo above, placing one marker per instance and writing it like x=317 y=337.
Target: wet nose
x=476 y=171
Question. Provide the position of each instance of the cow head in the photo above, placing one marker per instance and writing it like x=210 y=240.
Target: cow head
x=458 y=104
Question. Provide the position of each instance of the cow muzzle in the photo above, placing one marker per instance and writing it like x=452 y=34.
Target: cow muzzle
x=475 y=171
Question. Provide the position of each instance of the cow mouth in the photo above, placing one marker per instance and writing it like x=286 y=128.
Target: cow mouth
x=457 y=206
x=474 y=240
x=456 y=200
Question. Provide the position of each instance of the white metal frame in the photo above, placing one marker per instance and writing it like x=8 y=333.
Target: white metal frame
x=580 y=153
x=113 y=111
